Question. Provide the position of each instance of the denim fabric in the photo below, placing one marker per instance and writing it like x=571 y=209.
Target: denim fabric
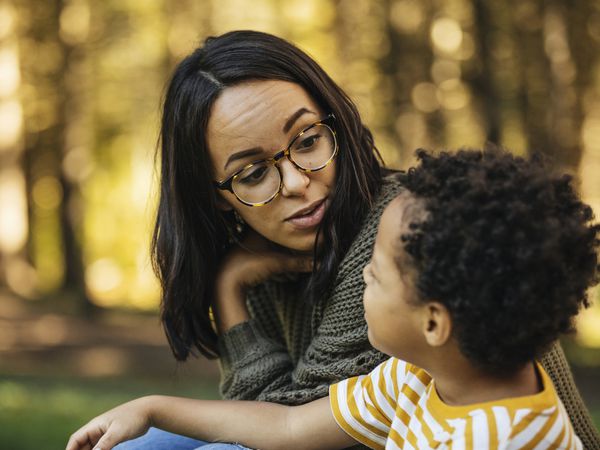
x=156 y=439
x=220 y=446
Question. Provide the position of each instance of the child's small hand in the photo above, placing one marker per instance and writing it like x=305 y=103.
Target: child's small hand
x=122 y=423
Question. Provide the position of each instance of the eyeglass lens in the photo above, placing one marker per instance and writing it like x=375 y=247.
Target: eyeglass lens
x=260 y=182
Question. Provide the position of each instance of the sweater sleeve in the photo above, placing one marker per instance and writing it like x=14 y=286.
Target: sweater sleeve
x=255 y=357
x=254 y=354
x=251 y=362
x=557 y=367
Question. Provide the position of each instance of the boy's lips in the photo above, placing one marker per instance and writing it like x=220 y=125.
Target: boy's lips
x=309 y=216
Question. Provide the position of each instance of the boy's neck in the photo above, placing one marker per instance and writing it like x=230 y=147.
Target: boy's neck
x=463 y=384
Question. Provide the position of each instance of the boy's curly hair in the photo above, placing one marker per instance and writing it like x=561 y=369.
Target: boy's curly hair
x=506 y=246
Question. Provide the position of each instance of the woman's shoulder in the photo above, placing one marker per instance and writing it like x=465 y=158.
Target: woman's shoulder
x=362 y=246
x=391 y=187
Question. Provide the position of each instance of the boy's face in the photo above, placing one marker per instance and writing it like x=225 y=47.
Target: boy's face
x=391 y=312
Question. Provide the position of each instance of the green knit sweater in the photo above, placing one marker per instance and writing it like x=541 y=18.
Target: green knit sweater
x=290 y=351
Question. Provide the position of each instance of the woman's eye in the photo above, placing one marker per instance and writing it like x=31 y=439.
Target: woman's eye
x=308 y=142
x=255 y=175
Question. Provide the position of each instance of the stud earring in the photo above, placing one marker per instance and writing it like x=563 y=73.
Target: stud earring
x=235 y=227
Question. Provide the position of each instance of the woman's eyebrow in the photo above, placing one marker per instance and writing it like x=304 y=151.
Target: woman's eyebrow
x=254 y=151
x=294 y=117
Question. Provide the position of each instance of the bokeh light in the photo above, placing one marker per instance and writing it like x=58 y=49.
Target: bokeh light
x=446 y=35
x=81 y=86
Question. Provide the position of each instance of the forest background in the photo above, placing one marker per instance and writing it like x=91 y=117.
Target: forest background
x=80 y=90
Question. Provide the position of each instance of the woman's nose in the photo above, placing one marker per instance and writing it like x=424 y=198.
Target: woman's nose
x=294 y=180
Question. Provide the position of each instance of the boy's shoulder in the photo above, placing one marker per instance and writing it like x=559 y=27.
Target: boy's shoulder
x=532 y=421
x=402 y=400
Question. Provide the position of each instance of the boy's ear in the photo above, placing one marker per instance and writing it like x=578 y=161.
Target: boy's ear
x=436 y=324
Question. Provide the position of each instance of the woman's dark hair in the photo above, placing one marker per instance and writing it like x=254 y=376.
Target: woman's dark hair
x=191 y=234
x=507 y=246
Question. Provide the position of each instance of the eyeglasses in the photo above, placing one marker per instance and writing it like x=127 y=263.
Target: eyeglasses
x=257 y=183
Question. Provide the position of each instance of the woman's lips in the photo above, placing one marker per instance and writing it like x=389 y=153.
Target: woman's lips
x=311 y=219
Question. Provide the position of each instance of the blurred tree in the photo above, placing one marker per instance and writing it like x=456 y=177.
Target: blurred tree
x=551 y=111
x=412 y=118
x=53 y=67
x=490 y=18
x=15 y=268
x=73 y=18
x=585 y=54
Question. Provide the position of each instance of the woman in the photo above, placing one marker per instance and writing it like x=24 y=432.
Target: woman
x=271 y=191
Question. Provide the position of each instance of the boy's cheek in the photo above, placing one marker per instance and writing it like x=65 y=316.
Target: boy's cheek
x=367 y=296
x=367 y=301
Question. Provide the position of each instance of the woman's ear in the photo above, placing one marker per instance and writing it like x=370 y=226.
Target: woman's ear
x=222 y=204
x=436 y=324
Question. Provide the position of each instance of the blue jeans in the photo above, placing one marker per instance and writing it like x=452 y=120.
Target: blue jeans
x=156 y=439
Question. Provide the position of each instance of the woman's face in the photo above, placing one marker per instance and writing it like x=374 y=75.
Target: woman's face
x=253 y=121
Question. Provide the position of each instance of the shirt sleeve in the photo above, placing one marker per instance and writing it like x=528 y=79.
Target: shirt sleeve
x=365 y=406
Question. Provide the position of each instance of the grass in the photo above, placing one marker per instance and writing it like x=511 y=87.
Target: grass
x=41 y=413
x=596 y=417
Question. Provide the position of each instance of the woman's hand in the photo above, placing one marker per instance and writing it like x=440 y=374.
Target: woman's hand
x=252 y=262
x=122 y=423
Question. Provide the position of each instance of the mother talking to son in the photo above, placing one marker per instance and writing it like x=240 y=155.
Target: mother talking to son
x=270 y=195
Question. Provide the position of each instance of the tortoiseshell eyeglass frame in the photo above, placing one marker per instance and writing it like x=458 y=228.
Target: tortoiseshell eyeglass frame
x=227 y=184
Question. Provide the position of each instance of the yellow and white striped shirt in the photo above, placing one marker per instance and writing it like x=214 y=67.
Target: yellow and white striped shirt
x=397 y=406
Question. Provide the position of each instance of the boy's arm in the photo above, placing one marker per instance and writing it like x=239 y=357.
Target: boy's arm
x=254 y=424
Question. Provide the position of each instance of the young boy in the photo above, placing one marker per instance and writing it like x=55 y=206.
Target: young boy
x=477 y=268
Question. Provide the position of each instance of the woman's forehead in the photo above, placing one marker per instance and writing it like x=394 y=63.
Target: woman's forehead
x=254 y=114
x=255 y=105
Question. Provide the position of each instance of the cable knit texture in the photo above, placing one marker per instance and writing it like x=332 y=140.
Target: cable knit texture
x=290 y=351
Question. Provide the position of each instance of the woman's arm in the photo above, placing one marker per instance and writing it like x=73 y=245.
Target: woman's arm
x=254 y=424
x=558 y=369
x=246 y=353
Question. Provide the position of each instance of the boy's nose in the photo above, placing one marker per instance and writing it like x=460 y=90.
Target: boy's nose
x=294 y=180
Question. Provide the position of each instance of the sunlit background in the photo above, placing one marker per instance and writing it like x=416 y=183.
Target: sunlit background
x=80 y=90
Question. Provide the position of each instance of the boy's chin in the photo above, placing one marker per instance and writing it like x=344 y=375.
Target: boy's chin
x=386 y=349
x=374 y=342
